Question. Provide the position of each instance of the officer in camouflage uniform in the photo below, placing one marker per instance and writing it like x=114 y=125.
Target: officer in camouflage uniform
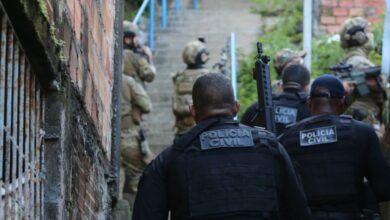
x=358 y=42
x=195 y=55
x=137 y=59
x=282 y=58
x=135 y=152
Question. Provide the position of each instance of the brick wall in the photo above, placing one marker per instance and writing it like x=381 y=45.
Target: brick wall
x=335 y=12
x=75 y=50
x=86 y=27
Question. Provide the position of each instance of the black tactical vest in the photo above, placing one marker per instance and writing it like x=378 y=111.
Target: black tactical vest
x=227 y=172
x=289 y=108
x=327 y=158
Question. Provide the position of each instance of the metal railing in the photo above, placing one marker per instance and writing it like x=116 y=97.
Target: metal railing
x=164 y=15
x=21 y=131
x=233 y=62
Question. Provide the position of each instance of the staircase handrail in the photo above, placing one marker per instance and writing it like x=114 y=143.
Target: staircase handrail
x=164 y=16
x=233 y=62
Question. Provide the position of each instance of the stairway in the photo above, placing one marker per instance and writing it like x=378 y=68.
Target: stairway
x=214 y=20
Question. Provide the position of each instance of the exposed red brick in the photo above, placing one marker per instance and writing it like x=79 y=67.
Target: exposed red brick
x=341 y=19
x=346 y=3
x=340 y=11
x=356 y=12
x=333 y=28
x=328 y=20
x=361 y=3
x=373 y=19
x=329 y=3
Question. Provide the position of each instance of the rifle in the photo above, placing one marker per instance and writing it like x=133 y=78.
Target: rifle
x=265 y=112
x=346 y=72
x=222 y=63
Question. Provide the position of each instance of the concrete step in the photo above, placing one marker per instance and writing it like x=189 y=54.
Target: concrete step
x=214 y=20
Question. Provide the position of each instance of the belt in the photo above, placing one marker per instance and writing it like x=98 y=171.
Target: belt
x=336 y=215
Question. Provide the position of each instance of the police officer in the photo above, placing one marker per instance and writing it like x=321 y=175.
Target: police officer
x=195 y=55
x=334 y=153
x=133 y=157
x=137 y=59
x=220 y=169
x=282 y=58
x=358 y=41
x=290 y=105
x=135 y=151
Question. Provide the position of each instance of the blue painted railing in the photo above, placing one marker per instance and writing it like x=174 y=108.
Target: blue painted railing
x=151 y=19
x=233 y=67
x=164 y=15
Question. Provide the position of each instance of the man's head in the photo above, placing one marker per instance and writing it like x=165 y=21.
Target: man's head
x=327 y=95
x=130 y=32
x=355 y=33
x=296 y=76
x=195 y=53
x=212 y=95
x=286 y=56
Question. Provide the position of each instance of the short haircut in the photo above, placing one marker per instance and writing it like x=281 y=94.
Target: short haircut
x=212 y=91
x=297 y=74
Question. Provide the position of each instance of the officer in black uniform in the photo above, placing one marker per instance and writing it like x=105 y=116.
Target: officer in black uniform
x=334 y=153
x=220 y=169
x=290 y=105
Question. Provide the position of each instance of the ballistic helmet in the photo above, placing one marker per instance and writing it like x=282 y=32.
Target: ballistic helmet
x=353 y=32
x=195 y=52
x=286 y=56
x=129 y=29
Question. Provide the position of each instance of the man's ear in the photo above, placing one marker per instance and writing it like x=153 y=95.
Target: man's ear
x=192 y=110
x=236 y=107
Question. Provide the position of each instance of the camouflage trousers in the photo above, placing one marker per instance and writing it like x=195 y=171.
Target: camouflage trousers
x=133 y=159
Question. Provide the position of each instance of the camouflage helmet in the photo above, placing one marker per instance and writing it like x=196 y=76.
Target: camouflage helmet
x=129 y=29
x=286 y=56
x=192 y=52
x=353 y=32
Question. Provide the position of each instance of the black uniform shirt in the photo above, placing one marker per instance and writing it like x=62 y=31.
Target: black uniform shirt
x=166 y=183
x=328 y=162
x=290 y=107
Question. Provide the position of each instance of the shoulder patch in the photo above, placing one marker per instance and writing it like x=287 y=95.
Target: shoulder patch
x=317 y=136
x=226 y=138
x=285 y=115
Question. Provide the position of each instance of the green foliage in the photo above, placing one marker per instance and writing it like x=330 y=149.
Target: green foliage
x=131 y=8
x=324 y=54
x=285 y=34
x=377 y=30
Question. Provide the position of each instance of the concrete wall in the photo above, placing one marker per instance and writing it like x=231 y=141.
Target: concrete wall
x=74 y=46
x=334 y=12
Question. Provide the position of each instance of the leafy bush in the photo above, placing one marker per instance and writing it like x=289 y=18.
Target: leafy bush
x=287 y=34
x=131 y=8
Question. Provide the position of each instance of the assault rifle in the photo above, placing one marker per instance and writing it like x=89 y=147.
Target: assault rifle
x=265 y=113
x=346 y=73
x=222 y=63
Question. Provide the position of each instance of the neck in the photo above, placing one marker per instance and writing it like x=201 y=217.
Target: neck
x=361 y=51
x=214 y=113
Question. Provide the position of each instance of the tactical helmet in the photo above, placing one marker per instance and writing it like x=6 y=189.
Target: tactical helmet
x=129 y=29
x=286 y=56
x=194 y=52
x=353 y=32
